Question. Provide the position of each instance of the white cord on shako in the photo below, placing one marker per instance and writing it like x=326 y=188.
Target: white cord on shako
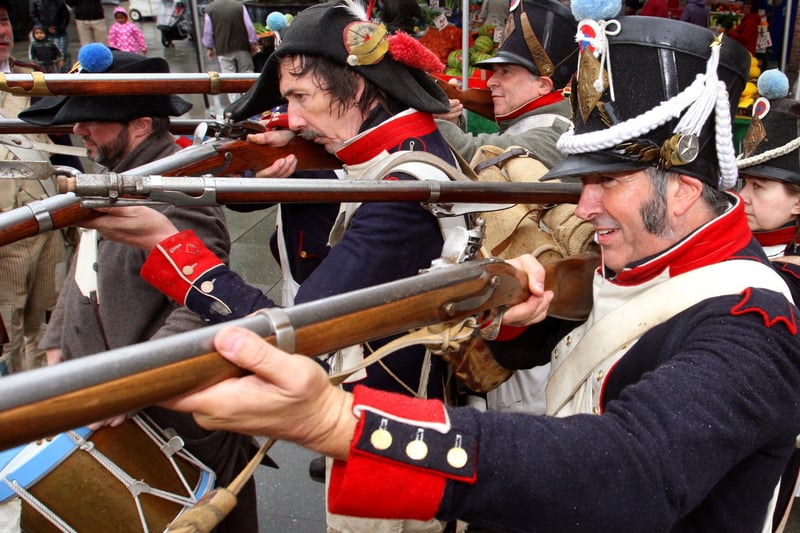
x=763 y=157
x=707 y=92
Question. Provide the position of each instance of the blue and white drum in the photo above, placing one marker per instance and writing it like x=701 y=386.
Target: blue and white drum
x=134 y=477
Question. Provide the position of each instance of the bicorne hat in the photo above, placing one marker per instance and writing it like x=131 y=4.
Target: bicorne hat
x=771 y=143
x=97 y=58
x=653 y=92
x=341 y=32
x=540 y=36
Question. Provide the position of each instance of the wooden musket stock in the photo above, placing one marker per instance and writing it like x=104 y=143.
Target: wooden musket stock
x=116 y=84
x=476 y=100
x=177 y=126
x=45 y=401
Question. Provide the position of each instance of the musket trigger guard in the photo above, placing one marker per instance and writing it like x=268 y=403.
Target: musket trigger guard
x=491 y=331
x=282 y=328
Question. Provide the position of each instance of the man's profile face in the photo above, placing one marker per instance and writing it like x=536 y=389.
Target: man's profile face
x=6 y=35
x=310 y=110
x=614 y=204
x=513 y=86
x=107 y=143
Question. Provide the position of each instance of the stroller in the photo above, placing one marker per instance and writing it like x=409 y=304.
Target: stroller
x=174 y=22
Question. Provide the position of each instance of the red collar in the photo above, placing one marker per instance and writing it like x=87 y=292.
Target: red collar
x=718 y=240
x=775 y=237
x=386 y=136
x=551 y=98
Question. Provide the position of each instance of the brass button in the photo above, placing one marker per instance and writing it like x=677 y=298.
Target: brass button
x=600 y=376
x=457 y=456
x=596 y=410
x=188 y=270
x=380 y=439
x=417 y=449
x=555 y=353
x=207 y=286
x=569 y=340
x=303 y=254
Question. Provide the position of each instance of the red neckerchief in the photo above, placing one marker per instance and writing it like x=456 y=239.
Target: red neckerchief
x=720 y=239
x=551 y=98
x=784 y=235
x=386 y=136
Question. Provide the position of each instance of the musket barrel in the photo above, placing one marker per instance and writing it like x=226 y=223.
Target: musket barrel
x=115 y=84
x=177 y=126
x=40 y=215
x=230 y=190
x=48 y=400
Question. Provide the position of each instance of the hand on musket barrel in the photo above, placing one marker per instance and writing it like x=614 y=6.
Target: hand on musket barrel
x=289 y=397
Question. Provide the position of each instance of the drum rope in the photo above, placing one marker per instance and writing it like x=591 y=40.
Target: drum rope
x=134 y=486
x=168 y=449
x=34 y=502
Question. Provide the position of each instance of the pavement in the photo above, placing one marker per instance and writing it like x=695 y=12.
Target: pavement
x=289 y=500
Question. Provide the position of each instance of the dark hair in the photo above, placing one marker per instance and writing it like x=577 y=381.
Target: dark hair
x=160 y=125
x=654 y=212
x=340 y=82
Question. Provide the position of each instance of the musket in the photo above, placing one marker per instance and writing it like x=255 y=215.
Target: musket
x=211 y=157
x=178 y=126
x=106 y=190
x=45 y=401
x=476 y=100
x=109 y=84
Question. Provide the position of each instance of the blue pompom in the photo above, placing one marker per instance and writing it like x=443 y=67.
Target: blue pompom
x=773 y=84
x=596 y=9
x=276 y=21
x=95 y=57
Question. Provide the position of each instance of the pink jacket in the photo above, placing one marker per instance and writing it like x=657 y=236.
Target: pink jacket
x=126 y=36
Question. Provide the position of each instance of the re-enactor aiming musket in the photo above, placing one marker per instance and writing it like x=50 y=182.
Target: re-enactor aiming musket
x=53 y=399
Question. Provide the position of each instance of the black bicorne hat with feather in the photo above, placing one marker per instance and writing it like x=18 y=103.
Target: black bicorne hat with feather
x=341 y=32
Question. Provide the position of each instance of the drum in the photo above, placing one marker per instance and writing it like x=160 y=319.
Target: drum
x=134 y=477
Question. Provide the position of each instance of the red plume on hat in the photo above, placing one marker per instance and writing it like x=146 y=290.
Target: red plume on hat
x=412 y=53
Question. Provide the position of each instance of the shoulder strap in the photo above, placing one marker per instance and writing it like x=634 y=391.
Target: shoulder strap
x=609 y=334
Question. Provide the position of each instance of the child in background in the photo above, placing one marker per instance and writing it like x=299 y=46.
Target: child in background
x=125 y=35
x=45 y=52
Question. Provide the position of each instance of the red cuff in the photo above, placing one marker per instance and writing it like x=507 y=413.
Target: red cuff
x=379 y=484
x=508 y=333
x=176 y=263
